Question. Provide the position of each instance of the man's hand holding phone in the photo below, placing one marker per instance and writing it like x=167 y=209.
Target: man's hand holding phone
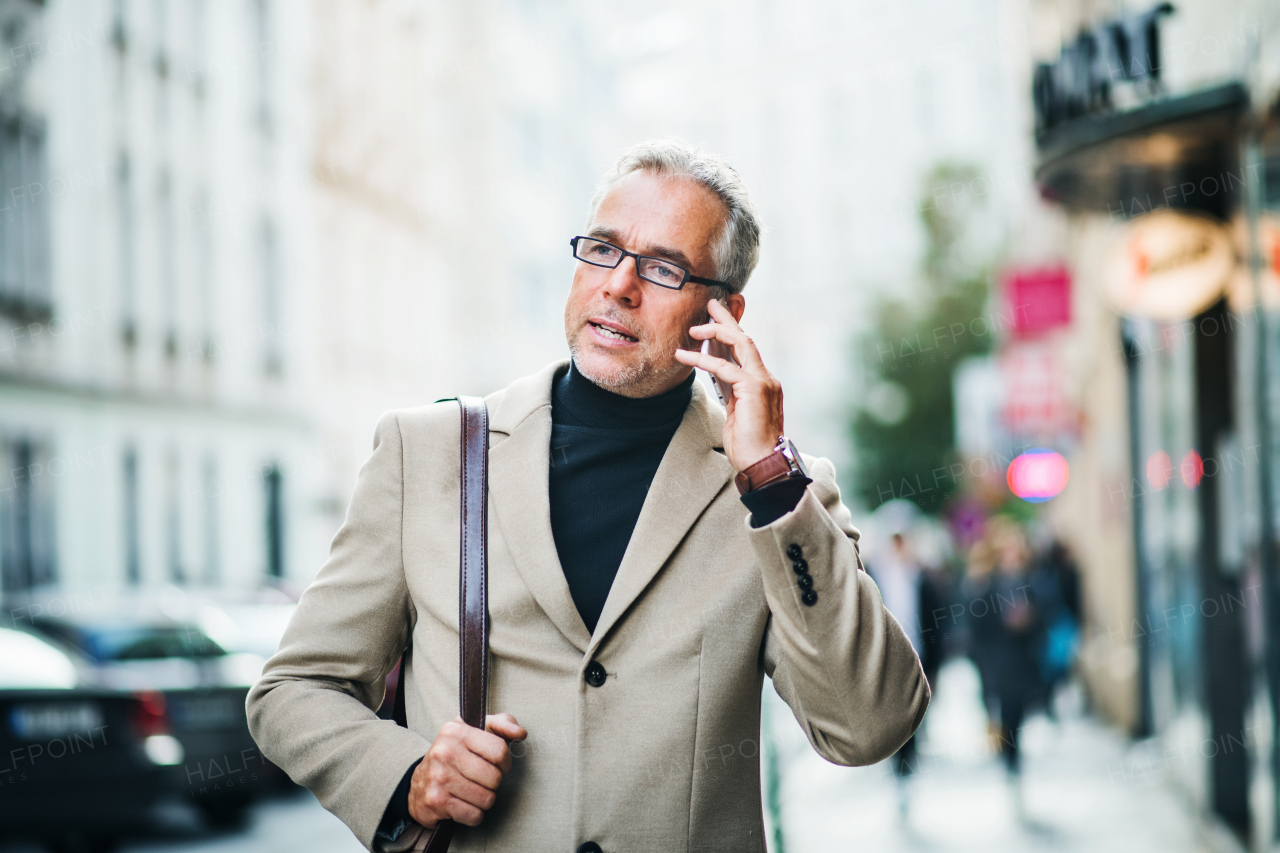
x=752 y=396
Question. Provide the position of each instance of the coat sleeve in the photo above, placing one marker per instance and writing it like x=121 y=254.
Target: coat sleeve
x=313 y=711
x=842 y=664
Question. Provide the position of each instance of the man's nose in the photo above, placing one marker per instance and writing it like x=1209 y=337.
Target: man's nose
x=624 y=282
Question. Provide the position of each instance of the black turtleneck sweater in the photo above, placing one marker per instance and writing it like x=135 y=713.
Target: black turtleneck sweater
x=605 y=450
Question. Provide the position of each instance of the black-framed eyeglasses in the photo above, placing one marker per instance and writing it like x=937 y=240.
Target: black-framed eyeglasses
x=659 y=271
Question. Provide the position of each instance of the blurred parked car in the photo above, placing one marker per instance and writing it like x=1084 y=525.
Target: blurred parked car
x=79 y=766
x=155 y=644
x=250 y=621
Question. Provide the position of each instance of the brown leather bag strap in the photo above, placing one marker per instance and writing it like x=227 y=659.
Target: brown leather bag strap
x=473 y=588
x=473 y=569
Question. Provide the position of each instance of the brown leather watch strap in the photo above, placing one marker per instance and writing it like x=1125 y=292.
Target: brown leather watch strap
x=473 y=588
x=770 y=469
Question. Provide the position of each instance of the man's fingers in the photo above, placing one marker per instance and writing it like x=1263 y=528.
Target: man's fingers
x=463 y=812
x=505 y=727
x=480 y=770
x=447 y=778
x=744 y=349
x=718 y=367
x=490 y=747
x=470 y=793
x=722 y=315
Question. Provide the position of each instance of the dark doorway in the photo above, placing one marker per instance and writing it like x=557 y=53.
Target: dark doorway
x=1226 y=681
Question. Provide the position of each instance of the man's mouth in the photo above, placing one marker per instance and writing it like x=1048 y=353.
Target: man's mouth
x=610 y=332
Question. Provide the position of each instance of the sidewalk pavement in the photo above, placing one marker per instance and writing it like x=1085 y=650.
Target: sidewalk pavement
x=1075 y=794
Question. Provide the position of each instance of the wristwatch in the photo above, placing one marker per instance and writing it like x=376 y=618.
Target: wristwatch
x=784 y=463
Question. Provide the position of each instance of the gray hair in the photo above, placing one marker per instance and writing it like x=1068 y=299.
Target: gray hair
x=737 y=250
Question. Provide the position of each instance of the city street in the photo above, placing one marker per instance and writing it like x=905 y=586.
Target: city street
x=1077 y=794
x=995 y=281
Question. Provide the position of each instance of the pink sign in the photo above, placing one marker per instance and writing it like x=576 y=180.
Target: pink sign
x=1037 y=299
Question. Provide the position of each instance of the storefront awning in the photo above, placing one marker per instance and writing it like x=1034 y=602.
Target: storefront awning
x=1160 y=155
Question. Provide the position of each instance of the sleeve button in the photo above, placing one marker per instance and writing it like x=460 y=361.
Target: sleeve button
x=805 y=582
x=801 y=565
x=794 y=551
x=809 y=597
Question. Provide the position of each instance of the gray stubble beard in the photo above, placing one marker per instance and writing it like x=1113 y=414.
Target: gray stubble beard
x=635 y=380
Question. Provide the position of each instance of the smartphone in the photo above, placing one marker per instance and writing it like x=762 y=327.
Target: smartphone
x=713 y=347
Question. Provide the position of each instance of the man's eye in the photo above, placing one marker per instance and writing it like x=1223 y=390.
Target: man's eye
x=604 y=251
x=666 y=272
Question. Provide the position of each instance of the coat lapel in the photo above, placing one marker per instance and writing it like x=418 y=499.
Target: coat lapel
x=690 y=476
x=518 y=471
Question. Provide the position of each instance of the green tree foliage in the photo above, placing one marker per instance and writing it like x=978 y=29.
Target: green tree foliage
x=903 y=427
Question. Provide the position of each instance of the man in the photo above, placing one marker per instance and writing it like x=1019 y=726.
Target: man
x=636 y=605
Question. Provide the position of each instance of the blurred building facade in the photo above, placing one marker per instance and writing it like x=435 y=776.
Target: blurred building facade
x=151 y=371
x=1158 y=141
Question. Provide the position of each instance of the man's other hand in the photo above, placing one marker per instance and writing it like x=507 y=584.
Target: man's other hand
x=460 y=773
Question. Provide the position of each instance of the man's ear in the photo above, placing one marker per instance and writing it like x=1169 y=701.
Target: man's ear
x=737 y=304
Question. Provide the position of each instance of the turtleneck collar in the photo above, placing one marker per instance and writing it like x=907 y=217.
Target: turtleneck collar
x=577 y=401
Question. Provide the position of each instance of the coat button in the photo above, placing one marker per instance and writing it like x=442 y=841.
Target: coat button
x=809 y=597
x=794 y=551
x=805 y=582
x=595 y=676
x=801 y=565
x=589 y=847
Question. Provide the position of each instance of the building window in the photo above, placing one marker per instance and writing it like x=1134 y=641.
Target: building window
x=24 y=220
x=204 y=277
x=209 y=493
x=274 y=485
x=125 y=259
x=119 y=28
x=173 y=518
x=124 y=207
x=269 y=273
x=168 y=265
x=263 y=52
x=26 y=520
x=25 y=292
x=132 y=533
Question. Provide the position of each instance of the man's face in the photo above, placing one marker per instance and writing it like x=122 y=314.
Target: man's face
x=622 y=330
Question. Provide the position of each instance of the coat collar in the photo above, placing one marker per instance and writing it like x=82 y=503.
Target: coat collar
x=692 y=472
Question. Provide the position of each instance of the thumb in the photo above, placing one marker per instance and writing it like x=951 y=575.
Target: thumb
x=505 y=727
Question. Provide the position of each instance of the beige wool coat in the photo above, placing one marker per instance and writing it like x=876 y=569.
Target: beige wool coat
x=664 y=756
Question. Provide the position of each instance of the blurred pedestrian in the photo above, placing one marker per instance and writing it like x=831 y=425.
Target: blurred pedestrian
x=1055 y=584
x=1004 y=631
x=912 y=594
